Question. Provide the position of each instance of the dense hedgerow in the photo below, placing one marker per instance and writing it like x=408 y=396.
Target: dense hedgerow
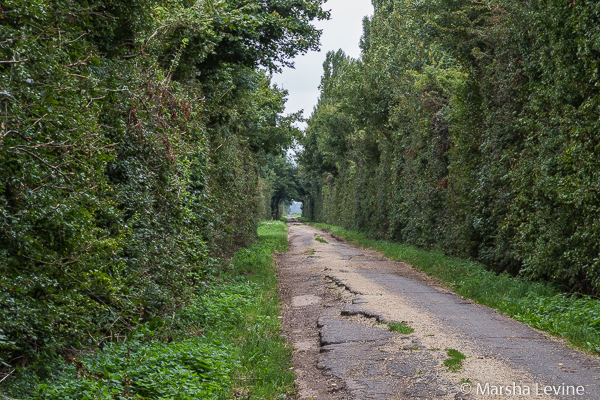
x=469 y=127
x=226 y=341
x=133 y=143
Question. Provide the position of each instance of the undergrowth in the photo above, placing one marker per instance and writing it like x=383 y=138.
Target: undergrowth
x=225 y=343
x=537 y=304
x=319 y=238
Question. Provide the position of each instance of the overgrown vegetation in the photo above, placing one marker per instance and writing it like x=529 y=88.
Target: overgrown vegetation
x=280 y=177
x=226 y=341
x=140 y=144
x=469 y=127
x=538 y=304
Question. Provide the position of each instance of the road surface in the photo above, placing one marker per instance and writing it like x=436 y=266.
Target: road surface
x=339 y=298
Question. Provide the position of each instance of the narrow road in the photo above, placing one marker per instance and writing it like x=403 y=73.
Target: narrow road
x=339 y=298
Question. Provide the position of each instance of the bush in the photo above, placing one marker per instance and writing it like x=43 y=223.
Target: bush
x=131 y=139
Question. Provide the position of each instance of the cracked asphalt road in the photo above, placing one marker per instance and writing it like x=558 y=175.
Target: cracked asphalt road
x=339 y=298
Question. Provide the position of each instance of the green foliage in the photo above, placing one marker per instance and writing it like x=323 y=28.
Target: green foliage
x=227 y=338
x=467 y=127
x=186 y=370
x=265 y=356
x=454 y=360
x=131 y=138
x=400 y=327
x=574 y=318
x=219 y=306
x=279 y=177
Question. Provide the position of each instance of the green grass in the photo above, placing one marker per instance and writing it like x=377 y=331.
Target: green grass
x=538 y=304
x=400 y=327
x=226 y=343
x=454 y=360
x=320 y=239
x=264 y=372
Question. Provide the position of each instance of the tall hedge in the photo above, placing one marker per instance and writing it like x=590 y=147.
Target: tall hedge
x=470 y=127
x=131 y=142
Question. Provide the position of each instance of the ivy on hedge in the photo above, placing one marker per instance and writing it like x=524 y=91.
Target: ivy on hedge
x=132 y=134
x=470 y=127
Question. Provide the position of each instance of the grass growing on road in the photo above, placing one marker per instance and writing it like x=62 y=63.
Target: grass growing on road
x=319 y=238
x=225 y=344
x=538 y=304
x=400 y=327
x=454 y=360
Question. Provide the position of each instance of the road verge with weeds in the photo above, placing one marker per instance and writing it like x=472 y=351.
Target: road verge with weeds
x=538 y=304
x=225 y=344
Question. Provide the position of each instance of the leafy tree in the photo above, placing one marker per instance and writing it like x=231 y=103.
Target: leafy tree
x=281 y=177
x=132 y=133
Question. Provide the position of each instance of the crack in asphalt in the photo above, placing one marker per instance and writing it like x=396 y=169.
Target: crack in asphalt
x=338 y=300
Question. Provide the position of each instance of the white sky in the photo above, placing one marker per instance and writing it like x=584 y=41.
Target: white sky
x=342 y=31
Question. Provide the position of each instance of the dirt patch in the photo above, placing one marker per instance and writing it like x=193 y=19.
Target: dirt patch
x=306 y=300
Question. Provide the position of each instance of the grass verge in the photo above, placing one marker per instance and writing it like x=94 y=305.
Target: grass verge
x=538 y=304
x=225 y=344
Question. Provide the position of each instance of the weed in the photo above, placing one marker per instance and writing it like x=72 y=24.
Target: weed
x=310 y=252
x=434 y=349
x=400 y=327
x=413 y=348
x=319 y=238
x=454 y=360
x=264 y=357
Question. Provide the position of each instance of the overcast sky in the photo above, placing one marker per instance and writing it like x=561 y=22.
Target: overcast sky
x=342 y=31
